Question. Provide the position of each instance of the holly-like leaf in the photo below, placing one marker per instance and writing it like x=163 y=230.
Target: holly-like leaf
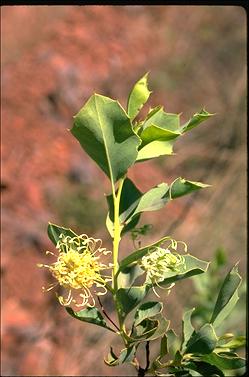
x=126 y=356
x=202 y=341
x=148 y=309
x=90 y=315
x=182 y=187
x=105 y=132
x=157 y=134
x=128 y=275
x=196 y=120
x=236 y=342
x=54 y=232
x=129 y=298
x=139 y=253
x=187 y=327
x=133 y=203
x=155 y=149
x=144 y=330
x=161 y=329
x=112 y=359
x=227 y=297
x=224 y=361
x=138 y=97
x=192 y=266
x=205 y=369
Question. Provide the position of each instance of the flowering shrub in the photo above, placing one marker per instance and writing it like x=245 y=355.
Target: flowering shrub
x=116 y=139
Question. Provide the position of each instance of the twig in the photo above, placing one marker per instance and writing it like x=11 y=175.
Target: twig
x=142 y=371
x=147 y=348
x=107 y=316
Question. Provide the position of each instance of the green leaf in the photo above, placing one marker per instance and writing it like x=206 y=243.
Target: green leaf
x=138 y=97
x=133 y=203
x=157 y=134
x=205 y=369
x=90 y=315
x=126 y=356
x=128 y=275
x=153 y=199
x=224 y=362
x=144 y=330
x=187 y=327
x=139 y=253
x=163 y=347
x=202 y=341
x=54 y=232
x=112 y=359
x=148 y=309
x=129 y=298
x=105 y=133
x=173 y=342
x=236 y=342
x=153 y=133
x=193 y=266
x=160 y=330
x=182 y=187
x=227 y=298
x=155 y=149
x=158 y=117
x=130 y=196
x=196 y=120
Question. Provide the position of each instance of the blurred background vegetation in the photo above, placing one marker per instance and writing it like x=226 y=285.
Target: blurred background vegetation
x=53 y=59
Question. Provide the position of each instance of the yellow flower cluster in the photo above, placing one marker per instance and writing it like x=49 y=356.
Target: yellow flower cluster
x=161 y=260
x=78 y=269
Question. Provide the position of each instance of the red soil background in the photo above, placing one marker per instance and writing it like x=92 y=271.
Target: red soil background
x=53 y=59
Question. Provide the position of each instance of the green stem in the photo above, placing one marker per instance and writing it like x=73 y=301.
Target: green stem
x=116 y=241
x=117 y=231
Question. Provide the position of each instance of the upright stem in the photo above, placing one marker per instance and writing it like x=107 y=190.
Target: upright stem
x=117 y=231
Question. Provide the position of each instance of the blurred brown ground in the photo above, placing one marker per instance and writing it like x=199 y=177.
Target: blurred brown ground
x=53 y=59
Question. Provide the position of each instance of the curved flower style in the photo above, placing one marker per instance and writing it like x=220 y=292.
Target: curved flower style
x=78 y=269
x=160 y=260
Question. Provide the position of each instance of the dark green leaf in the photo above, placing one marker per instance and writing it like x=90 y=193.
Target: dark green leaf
x=129 y=298
x=227 y=298
x=182 y=187
x=105 y=132
x=224 y=362
x=129 y=199
x=144 y=329
x=138 y=97
x=90 y=315
x=54 y=232
x=202 y=341
x=163 y=346
x=193 y=266
x=128 y=275
x=148 y=309
x=205 y=369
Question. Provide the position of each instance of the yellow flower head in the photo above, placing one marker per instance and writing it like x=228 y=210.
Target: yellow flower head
x=78 y=269
x=160 y=260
